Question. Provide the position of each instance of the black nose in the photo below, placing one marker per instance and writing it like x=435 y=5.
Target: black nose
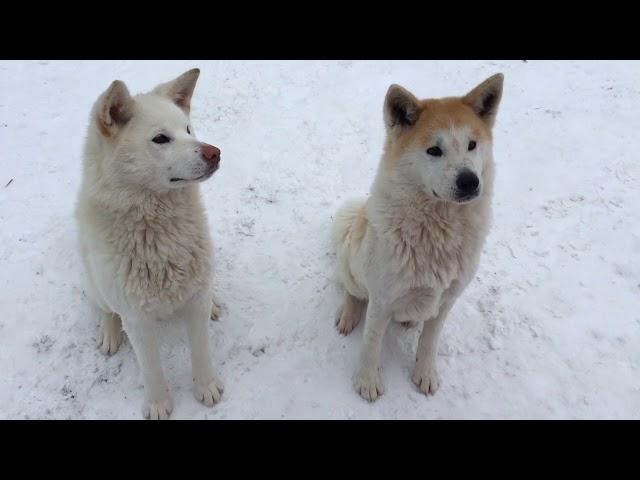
x=467 y=182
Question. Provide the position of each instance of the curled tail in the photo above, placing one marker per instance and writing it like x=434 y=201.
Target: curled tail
x=345 y=221
x=349 y=228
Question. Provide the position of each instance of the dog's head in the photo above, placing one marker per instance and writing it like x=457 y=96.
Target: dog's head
x=151 y=137
x=442 y=145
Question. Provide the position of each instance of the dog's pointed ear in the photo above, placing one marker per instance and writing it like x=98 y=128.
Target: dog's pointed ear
x=485 y=98
x=115 y=109
x=401 y=108
x=180 y=90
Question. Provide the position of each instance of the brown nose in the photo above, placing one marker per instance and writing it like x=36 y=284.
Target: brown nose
x=211 y=153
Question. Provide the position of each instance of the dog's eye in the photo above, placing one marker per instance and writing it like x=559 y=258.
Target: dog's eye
x=434 y=151
x=472 y=145
x=161 y=139
x=188 y=131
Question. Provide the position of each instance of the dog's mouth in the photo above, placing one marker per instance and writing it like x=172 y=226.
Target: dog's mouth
x=468 y=198
x=458 y=198
x=197 y=179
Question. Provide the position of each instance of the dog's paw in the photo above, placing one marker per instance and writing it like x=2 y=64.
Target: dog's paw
x=346 y=321
x=426 y=379
x=110 y=337
x=209 y=392
x=368 y=383
x=157 y=409
x=216 y=310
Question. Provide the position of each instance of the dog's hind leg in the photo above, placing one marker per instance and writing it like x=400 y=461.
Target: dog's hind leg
x=110 y=336
x=350 y=313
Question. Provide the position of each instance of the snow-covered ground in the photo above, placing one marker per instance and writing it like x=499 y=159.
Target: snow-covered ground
x=550 y=328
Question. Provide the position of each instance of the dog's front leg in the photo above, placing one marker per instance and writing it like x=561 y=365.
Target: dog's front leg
x=142 y=334
x=207 y=387
x=368 y=380
x=425 y=374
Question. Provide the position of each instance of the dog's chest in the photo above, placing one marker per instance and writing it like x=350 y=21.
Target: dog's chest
x=433 y=251
x=162 y=261
x=417 y=304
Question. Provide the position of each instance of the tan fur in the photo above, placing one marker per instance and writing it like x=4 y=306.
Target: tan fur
x=412 y=247
x=436 y=114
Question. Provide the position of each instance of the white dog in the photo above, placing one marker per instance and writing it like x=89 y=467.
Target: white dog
x=143 y=232
x=410 y=249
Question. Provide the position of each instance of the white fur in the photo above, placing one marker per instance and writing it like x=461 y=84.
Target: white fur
x=144 y=238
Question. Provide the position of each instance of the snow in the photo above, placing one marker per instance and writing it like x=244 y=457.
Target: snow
x=550 y=327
